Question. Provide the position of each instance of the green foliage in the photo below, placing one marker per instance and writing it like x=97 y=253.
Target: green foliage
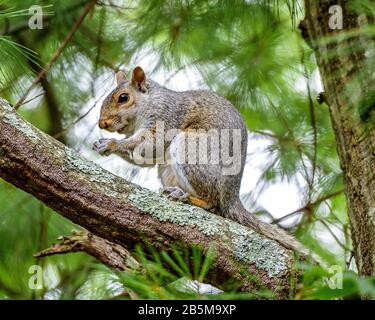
x=27 y=227
x=325 y=284
x=176 y=275
x=367 y=106
x=248 y=51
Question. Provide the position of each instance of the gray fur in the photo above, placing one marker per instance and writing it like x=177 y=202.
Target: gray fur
x=198 y=109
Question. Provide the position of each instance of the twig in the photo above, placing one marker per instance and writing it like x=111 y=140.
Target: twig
x=57 y=53
x=33 y=98
x=105 y=63
x=99 y=48
x=59 y=134
x=350 y=259
x=266 y=134
x=307 y=206
x=333 y=234
x=115 y=6
x=313 y=125
x=291 y=133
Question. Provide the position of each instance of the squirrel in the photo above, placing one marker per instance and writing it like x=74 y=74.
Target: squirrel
x=135 y=107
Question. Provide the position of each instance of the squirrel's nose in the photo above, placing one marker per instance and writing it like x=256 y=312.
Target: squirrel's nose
x=103 y=124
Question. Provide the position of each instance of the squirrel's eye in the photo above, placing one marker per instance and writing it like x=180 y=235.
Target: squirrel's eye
x=124 y=97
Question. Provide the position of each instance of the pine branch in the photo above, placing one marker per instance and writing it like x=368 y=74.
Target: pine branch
x=15 y=30
x=58 y=52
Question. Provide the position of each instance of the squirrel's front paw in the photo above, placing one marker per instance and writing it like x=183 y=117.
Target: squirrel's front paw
x=105 y=146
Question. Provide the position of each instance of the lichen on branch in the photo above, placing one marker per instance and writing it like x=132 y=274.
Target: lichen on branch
x=126 y=214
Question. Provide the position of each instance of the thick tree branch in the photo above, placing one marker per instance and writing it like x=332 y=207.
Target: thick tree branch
x=109 y=253
x=126 y=214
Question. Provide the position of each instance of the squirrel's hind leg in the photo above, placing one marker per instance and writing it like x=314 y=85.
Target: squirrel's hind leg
x=178 y=194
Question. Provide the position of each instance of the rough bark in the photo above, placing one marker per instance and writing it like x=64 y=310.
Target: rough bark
x=107 y=252
x=346 y=61
x=126 y=214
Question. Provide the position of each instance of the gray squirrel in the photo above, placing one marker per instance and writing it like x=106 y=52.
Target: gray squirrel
x=136 y=107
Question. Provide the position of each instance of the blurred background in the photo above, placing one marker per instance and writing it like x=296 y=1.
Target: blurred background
x=250 y=52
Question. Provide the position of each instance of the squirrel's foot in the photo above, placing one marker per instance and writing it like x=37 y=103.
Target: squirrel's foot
x=105 y=146
x=175 y=193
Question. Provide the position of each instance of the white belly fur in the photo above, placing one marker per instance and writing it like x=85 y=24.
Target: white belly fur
x=170 y=173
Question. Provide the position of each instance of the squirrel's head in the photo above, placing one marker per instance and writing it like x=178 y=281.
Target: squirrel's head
x=119 y=107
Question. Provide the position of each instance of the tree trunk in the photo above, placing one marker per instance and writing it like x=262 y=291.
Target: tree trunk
x=346 y=63
x=126 y=214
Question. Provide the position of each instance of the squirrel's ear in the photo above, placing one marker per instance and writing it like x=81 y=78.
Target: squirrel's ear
x=120 y=77
x=139 y=79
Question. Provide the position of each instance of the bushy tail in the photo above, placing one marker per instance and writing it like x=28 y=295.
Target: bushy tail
x=238 y=213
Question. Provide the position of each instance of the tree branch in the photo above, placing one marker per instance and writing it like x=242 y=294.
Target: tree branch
x=90 y=5
x=54 y=112
x=126 y=214
x=308 y=206
x=109 y=253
